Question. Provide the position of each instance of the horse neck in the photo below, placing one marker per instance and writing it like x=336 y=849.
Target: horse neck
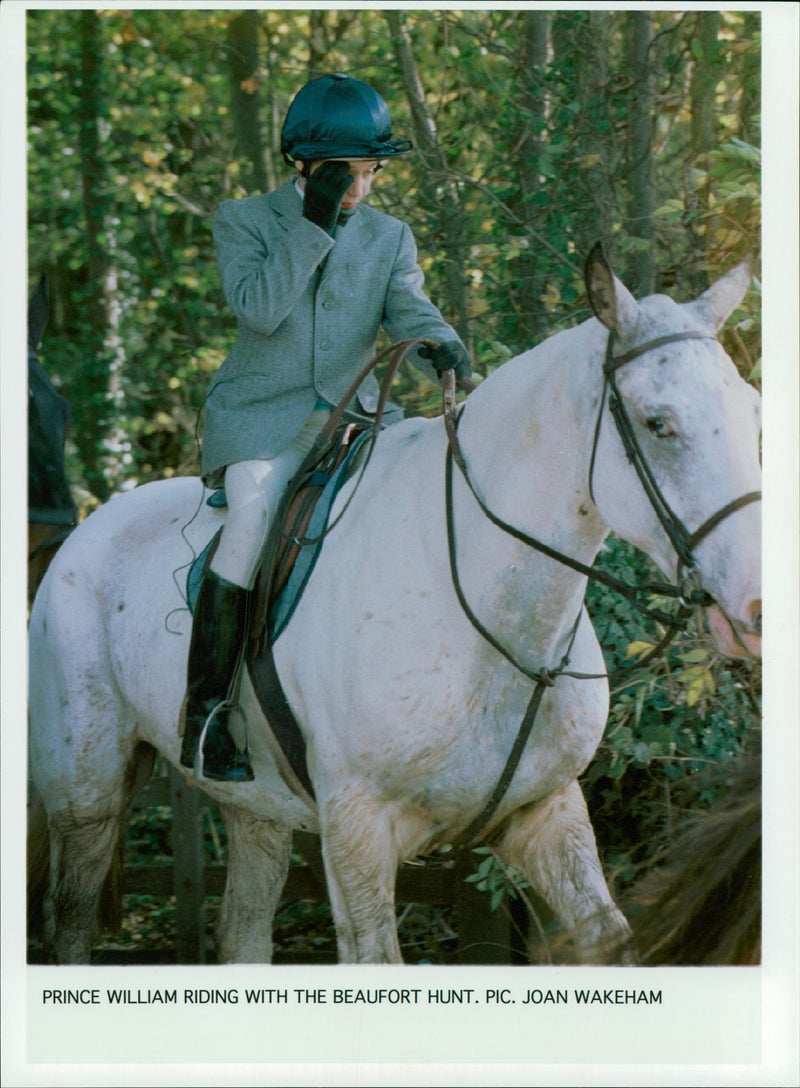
x=527 y=435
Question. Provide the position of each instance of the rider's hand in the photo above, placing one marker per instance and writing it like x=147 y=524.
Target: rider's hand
x=452 y=355
x=324 y=191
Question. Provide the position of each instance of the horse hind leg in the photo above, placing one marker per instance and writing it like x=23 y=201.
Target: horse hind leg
x=258 y=864
x=553 y=845
x=81 y=852
x=86 y=866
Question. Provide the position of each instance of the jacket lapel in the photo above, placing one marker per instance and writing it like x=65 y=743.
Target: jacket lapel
x=286 y=203
x=350 y=239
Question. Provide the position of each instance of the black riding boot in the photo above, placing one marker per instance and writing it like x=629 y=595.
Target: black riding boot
x=218 y=627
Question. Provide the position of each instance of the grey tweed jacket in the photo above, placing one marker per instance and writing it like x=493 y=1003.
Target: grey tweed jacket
x=309 y=309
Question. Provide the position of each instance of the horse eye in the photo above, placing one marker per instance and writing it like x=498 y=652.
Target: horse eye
x=660 y=426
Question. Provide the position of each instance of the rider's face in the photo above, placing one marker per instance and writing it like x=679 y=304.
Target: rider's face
x=363 y=171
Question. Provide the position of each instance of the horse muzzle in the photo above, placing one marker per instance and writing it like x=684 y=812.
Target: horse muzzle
x=736 y=638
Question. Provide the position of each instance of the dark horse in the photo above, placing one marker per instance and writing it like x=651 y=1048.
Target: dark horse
x=52 y=513
x=701 y=905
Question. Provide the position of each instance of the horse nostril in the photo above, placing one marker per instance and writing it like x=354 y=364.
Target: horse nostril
x=753 y=613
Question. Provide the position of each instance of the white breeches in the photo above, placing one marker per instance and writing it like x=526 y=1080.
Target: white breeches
x=253 y=490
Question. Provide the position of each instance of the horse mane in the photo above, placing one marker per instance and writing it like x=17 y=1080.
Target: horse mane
x=699 y=903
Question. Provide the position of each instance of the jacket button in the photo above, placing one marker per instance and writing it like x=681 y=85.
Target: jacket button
x=324 y=345
x=328 y=304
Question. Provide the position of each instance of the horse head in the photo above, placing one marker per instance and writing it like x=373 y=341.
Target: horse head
x=679 y=474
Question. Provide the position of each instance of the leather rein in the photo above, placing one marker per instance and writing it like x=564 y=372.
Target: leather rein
x=688 y=591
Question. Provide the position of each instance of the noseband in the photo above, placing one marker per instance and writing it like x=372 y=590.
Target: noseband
x=683 y=541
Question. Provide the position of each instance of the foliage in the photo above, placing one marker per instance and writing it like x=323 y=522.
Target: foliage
x=688 y=710
x=730 y=226
x=494 y=878
x=529 y=112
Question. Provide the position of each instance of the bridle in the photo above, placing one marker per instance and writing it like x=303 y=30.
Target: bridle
x=688 y=590
x=683 y=541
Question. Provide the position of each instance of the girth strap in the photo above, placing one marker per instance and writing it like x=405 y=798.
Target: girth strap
x=282 y=721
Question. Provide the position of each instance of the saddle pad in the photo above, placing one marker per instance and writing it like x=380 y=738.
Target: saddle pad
x=195 y=575
x=287 y=599
x=294 y=581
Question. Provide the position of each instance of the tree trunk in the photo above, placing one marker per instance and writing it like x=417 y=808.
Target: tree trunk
x=705 y=72
x=100 y=448
x=245 y=85
x=534 y=41
x=598 y=141
x=530 y=275
x=317 y=43
x=450 y=220
x=274 y=121
x=642 y=201
x=750 y=100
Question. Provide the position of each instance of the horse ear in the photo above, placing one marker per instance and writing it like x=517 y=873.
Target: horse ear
x=612 y=302
x=721 y=299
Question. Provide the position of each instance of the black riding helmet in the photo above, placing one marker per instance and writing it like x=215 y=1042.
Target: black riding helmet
x=338 y=117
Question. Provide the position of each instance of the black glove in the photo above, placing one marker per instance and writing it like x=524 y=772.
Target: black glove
x=323 y=193
x=452 y=355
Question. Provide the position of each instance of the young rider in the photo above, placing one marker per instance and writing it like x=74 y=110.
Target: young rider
x=311 y=273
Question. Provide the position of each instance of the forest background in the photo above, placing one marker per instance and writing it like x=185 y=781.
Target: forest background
x=537 y=134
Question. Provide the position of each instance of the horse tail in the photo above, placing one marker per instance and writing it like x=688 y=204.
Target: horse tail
x=38 y=861
x=702 y=905
x=110 y=906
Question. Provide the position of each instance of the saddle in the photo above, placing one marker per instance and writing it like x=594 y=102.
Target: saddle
x=296 y=537
x=290 y=555
x=300 y=528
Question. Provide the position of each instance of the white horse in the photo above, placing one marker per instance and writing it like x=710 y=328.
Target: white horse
x=407 y=711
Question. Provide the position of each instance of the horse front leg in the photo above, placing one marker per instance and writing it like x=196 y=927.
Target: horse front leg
x=361 y=868
x=258 y=864
x=553 y=845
